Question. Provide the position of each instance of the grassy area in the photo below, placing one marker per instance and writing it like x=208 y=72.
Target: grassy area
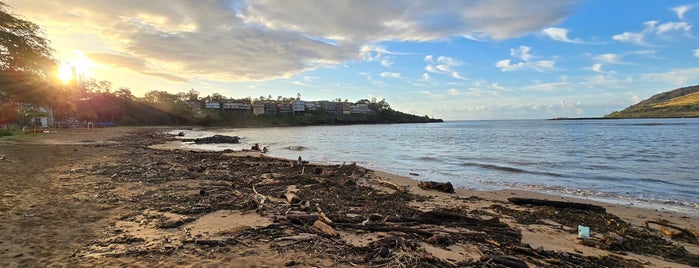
x=690 y=99
x=681 y=102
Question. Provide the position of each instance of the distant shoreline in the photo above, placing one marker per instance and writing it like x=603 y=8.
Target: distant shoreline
x=580 y=118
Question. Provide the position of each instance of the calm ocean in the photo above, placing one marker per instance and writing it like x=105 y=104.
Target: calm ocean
x=644 y=162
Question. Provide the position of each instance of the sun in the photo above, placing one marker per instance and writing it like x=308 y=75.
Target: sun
x=74 y=69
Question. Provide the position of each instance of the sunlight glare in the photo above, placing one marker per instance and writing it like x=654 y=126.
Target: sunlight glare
x=74 y=69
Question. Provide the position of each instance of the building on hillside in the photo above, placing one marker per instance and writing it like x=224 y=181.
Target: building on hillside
x=331 y=107
x=212 y=105
x=237 y=107
x=346 y=108
x=258 y=108
x=311 y=106
x=285 y=108
x=298 y=106
x=361 y=108
x=271 y=108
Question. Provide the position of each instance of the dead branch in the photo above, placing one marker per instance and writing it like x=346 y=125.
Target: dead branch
x=261 y=197
x=664 y=223
x=556 y=204
x=324 y=228
x=440 y=217
x=506 y=260
x=391 y=184
x=384 y=228
x=292 y=198
x=322 y=216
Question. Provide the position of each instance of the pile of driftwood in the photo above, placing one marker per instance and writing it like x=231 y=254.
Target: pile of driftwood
x=317 y=208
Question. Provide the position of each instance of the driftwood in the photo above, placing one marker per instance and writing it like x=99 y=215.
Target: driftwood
x=259 y=196
x=301 y=218
x=324 y=228
x=391 y=184
x=292 y=198
x=438 y=186
x=506 y=260
x=664 y=223
x=322 y=216
x=556 y=204
x=384 y=228
x=440 y=217
x=298 y=238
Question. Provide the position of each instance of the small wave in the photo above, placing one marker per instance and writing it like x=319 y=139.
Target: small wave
x=429 y=158
x=297 y=148
x=511 y=169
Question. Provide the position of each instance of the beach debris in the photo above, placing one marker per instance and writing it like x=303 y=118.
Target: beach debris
x=506 y=260
x=292 y=198
x=334 y=200
x=672 y=234
x=216 y=139
x=325 y=229
x=556 y=204
x=414 y=174
x=583 y=232
x=438 y=186
x=391 y=184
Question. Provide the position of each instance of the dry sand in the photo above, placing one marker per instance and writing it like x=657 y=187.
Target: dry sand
x=58 y=210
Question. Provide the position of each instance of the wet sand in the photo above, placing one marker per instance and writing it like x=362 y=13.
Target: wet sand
x=104 y=197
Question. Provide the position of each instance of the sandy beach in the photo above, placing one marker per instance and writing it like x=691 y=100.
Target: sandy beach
x=113 y=197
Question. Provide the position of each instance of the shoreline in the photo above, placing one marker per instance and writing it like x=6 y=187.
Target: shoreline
x=658 y=206
x=100 y=162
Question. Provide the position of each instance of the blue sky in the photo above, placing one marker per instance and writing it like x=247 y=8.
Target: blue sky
x=495 y=59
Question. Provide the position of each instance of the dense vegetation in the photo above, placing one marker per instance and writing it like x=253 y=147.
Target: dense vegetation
x=28 y=86
x=681 y=102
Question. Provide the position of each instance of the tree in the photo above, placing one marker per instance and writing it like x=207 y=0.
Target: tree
x=25 y=59
x=23 y=47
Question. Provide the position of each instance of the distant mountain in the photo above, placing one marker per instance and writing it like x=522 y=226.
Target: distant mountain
x=681 y=102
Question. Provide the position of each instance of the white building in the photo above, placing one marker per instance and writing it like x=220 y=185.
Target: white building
x=299 y=106
x=212 y=105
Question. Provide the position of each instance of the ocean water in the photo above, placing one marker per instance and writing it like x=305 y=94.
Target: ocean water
x=640 y=162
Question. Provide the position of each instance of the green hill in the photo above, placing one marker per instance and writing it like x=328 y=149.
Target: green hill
x=681 y=102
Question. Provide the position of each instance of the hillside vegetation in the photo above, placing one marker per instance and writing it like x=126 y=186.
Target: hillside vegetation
x=681 y=102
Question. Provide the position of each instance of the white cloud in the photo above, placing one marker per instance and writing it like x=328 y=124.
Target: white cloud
x=453 y=92
x=559 y=34
x=597 y=67
x=522 y=52
x=426 y=77
x=681 y=10
x=652 y=28
x=676 y=77
x=696 y=53
x=444 y=65
x=390 y=75
x=268 y=39
x=386 y=63
x=629 y=37
x=541 y=66
x=636 y=99
x=673 y=26
x=609 y=58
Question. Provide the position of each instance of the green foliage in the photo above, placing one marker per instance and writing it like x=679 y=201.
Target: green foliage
x=661 y=106
x=5 y=132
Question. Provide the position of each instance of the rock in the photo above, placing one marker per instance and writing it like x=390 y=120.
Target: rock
x=439 y=186
x=218 y=139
